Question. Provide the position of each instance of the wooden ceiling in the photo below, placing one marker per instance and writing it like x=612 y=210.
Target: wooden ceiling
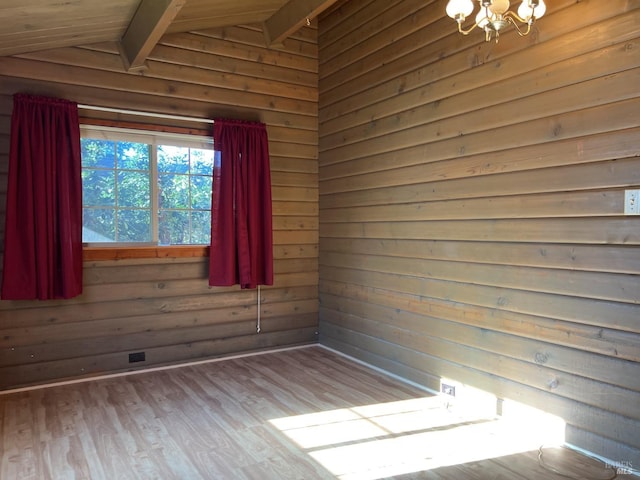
x=35 y=25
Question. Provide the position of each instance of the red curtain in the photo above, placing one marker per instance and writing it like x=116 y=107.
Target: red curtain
x=241 y=228
x=43 y=224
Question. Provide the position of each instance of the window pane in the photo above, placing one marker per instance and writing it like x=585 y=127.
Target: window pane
x=134 y=225
x=173 y=227
x=201 y=192
x=133 y=156
x=97 y=153
x=174 y=191
x=133 y=189
x=98 y=188
x=98 y=225
x=201 y=228
x=122 y=177
x=173 y=159
x=201 y=161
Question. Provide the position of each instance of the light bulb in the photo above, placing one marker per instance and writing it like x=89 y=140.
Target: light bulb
x=481 y=18
x=499 y=6
x=540 y=9
x=526 y=10
x=457 y=8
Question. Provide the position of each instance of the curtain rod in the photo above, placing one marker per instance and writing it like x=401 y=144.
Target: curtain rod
x=145 y=114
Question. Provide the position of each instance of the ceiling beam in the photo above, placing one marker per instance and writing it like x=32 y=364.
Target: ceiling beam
x=291 y=16
x=151 y=20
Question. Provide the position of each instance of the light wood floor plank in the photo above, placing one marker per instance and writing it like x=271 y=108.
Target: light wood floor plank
x=294 y=414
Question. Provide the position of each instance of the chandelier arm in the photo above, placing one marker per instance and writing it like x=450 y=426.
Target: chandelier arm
x=517 y=17
x=520 y=32
x=468 y=31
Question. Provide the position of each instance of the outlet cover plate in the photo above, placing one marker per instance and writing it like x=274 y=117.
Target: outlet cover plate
x=632 y=202
x=137 y=357
x=448 y=389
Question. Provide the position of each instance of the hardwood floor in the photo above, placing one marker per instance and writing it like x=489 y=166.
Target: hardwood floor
x=304 y=413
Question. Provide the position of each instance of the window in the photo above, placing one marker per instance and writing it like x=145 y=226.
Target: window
x=145 y=188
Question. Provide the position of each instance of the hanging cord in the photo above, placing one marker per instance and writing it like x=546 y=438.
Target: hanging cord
x=565 y=475
x=258 y=325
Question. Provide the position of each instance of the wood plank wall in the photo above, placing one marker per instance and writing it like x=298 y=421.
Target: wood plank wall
x=471 y=206
x=163 y=306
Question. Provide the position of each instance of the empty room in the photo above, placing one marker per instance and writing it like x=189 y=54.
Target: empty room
x=320 y=239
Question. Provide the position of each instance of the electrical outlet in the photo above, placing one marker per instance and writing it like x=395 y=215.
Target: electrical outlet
x=448 y=389
x=632 y=202
x=136 y=357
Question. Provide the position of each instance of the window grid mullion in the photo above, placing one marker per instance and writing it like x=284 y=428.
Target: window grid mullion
x=189 y=199
x=155 y=204
x=116 y=189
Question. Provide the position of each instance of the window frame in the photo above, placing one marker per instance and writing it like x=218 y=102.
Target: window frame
x=97 y=254
x=93 y=252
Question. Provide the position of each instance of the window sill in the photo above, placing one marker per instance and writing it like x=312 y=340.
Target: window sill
x=92 y=254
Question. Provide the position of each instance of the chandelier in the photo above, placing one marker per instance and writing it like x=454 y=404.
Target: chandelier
x=494 y=16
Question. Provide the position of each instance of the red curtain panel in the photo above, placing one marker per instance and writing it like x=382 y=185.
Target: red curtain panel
x=241 y=222
x=43 y=224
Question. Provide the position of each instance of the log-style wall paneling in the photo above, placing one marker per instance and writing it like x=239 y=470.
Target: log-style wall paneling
x=163 y=306
x=471 y=206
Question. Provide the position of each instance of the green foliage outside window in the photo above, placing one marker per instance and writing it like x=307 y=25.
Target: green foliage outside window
x=118 y=185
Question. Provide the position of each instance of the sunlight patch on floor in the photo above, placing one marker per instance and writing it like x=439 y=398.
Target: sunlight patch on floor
x=381 y=440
